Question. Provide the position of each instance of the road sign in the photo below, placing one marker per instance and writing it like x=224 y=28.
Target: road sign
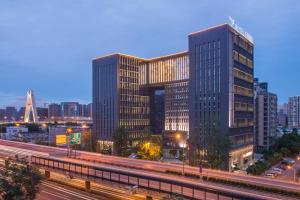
x=75 y=138
x=61 y=140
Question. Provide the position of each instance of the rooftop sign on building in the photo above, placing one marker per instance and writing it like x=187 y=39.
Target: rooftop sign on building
x=240 y=30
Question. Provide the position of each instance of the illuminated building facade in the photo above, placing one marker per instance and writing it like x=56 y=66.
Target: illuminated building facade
x=210 y=85
x=126 y=91
x=221 y=93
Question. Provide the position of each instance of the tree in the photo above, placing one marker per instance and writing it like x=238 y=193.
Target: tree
x=149 y=148
x=216 y=147
x=19 y=181
x=121 y=141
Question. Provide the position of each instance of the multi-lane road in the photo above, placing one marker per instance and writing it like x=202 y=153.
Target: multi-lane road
x=140 y=166
x=62 y=187
x=50 y=191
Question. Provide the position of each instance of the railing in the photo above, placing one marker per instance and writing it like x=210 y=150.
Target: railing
x=155 y=183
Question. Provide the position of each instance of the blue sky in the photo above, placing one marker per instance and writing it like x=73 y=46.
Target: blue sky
x=48 y=45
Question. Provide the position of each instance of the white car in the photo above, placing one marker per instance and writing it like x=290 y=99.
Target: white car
x=276 y=172
x=276 y=169
x=270 y=175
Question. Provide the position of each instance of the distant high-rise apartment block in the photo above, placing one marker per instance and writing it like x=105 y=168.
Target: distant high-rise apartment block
x=69 y=109
x=2 y=114
x=265 y=116
x=54 y=111
x=10 y=113
x=294 y=112
x=208 y=88
x=282 y=115
x=21 y=114
x=42 y=113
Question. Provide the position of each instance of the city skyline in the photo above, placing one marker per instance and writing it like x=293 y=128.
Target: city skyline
x=50 y=58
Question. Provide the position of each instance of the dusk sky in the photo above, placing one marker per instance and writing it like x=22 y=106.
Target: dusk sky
x=48 y=46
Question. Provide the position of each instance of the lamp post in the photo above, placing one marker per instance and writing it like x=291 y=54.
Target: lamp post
x=68 y=132
x=182 y=144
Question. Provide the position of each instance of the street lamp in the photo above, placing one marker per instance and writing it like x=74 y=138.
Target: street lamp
x=183 y=146
x=68 y=132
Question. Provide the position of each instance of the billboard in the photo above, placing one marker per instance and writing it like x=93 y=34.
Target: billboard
x=75 y=138
x=61 y=140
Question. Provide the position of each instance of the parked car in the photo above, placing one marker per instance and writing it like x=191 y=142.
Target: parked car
x=276 y=169
x=270 y=175
x=276 y=172
x=288 y=161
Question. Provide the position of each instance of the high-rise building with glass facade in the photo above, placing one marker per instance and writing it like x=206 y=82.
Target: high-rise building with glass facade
x=210 y=86
x=294 y=112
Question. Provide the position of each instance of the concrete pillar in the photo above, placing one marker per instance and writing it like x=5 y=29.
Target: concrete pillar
x=87 y=186
x=47 y=174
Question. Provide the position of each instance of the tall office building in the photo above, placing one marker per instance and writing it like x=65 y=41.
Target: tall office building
x=126 y=91
x=265 y=104
x=210 y=86
x=294 y=112
x=221 y=93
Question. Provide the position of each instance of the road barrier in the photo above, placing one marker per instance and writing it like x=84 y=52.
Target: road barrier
x=154 y=183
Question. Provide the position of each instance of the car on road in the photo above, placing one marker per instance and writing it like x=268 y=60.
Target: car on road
x=270 y=175
x=277 y=169
x=276 y=172
x=134 y=156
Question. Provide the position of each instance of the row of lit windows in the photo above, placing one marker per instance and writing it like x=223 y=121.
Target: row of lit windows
x=133 y=122
x=134 y=98
x=134 y=110
x=127 y=73
x=131 y=86
x=242 y=75
x=244 y=123
x=238 y=106
x=242 y=91
x=242 y=59
x=242 y=139
x=242 y=43
x=172 y=69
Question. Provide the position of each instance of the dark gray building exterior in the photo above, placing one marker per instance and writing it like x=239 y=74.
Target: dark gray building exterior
x=208 y=87
x=221 y=93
